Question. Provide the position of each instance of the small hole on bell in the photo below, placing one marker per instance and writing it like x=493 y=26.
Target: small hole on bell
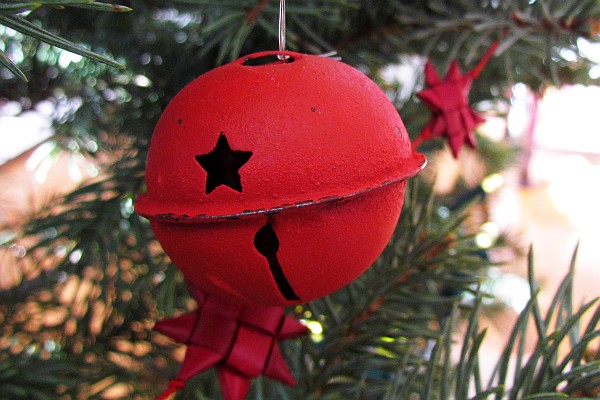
x=267 y=60
x=267 y=244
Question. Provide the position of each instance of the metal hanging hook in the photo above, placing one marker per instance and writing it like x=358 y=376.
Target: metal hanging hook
x=282 y=55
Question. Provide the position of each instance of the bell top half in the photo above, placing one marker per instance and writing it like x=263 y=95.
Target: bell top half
x=246 y=139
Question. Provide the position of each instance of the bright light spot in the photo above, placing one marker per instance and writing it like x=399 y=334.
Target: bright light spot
x=50 y=233
x=182 y=19
x=384 y=352
x=159 y=277
x=6 y=236
x=508 y=289
x=568 y=55
x=520 y=115
x=45 y=108
x=9 y=32
x=590 y=50
x=66 y=57
x=43 y=168
x=109 y=94
x=73 y=168
x=92 y=170
x=315 y=327
x=50 y=345
x=488 y=235
x=11 y=108
x=75 y=256
x=18 y=251
x=317 y=338
x=568 y=120
x=405 y=73
x=491 y=227
x=443 y=212
x=181 y=37
x=594 y=72
x=43 y=151
x=21 y=132
x=484 y=240
x=60 y=251
x=16 y=55
x=127 y=207
x=520 y=91
x=572 y=190
x=142 y=81
x=492 y=183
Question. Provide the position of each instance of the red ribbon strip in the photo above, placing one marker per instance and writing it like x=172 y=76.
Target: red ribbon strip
x=241 y=341
x=452 y=116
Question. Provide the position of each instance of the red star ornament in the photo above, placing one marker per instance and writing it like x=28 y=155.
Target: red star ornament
x=452 y=116
x=240 y=341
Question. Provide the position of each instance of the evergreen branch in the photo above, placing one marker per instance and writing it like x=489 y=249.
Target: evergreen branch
x=442 y=347
x=15 y=8
x=93 y=5
x=27 y=28
x=22 y=25
x=557 y=339
x=29 y=377
x=537 y=315
x=470 y=345
x=383 y=332
x=519 y=330
x=396 y=305
x=6 y=62
x=563 y=292
x=543 y=372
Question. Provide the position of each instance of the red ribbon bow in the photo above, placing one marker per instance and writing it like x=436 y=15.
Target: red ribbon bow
x=240 y=341
x=452 y=116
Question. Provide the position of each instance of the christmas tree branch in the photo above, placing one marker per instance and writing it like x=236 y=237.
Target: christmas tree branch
x=8 y=17
x=378 y=329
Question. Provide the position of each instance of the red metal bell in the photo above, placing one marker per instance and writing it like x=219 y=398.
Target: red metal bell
x=277 y=183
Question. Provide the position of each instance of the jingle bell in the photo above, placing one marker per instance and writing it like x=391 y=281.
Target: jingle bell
x=279 y=183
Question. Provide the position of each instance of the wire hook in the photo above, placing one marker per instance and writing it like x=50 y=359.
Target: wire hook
x=282 y=55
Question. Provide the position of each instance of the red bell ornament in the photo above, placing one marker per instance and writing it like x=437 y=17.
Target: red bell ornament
x=277 y=183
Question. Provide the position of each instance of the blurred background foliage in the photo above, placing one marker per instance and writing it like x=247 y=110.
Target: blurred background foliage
x=93 y=280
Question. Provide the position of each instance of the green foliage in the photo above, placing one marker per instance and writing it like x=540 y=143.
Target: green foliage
x=528 y=32
x=9 y=16
x=102 y=275
x=23 y=377
x=545 y=373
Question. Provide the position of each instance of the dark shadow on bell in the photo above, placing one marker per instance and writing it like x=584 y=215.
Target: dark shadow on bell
x=267 y=244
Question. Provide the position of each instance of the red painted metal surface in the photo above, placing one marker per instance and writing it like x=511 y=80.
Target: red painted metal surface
x=309 y=152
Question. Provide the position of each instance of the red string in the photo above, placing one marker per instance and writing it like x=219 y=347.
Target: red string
x=418 y=141
x=174 y=386
x=486 y=57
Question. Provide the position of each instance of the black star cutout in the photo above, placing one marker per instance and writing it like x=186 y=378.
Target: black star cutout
x=222 y=165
